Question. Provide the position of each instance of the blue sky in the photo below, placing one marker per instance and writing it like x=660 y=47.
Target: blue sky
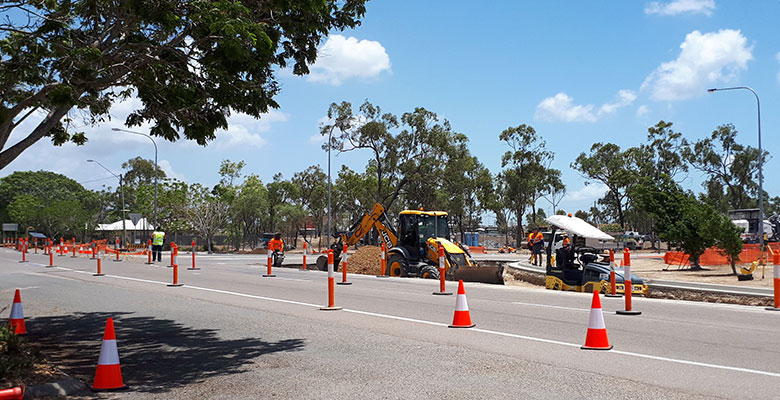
x=578 y=72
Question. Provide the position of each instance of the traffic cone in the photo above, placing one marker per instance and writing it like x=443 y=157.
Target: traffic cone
x=16 y=393
x=597 y=331
x=462 y=318
x=17 y=315
x=108 y=375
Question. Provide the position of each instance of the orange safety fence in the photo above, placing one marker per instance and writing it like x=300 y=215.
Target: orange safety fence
x=477 y=249
x=712 y=256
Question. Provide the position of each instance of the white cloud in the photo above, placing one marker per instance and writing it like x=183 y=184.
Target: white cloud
x=589 y=193
x=681 y=6
x=778 y=74
x=244 y=130
x=642 y=111
x=625 y=98
x=166 y=167
x=705 y=60
x=342 y=58
x=561 y=107
x=317 y=139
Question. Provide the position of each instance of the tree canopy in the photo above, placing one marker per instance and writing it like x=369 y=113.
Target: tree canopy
x=191 y=63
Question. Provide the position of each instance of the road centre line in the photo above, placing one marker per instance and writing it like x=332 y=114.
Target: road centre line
x=486 y=331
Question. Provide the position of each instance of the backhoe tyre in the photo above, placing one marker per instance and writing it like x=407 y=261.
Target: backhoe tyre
x=429 y=272
x=322 y=263
x=397 y=265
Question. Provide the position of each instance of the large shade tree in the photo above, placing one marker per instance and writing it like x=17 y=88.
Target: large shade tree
x=191 y=63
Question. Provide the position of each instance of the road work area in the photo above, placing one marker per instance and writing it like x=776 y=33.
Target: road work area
x=230 y=333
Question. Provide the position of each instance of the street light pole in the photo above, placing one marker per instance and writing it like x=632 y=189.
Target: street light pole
x=760 y=162
x=155 y=168
x=122 y=190
x=329 y=184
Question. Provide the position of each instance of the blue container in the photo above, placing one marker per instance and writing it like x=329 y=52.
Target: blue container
x=475 y=238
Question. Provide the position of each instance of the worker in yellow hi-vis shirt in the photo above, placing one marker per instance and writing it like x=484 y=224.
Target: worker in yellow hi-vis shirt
x=158 y=239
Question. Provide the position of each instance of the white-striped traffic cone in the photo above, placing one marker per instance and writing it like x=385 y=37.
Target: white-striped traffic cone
x=108 y=375
x=597 y=331
x=462 y=317
x=17 y=315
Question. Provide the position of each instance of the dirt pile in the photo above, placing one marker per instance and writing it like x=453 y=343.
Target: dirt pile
x=366 y=260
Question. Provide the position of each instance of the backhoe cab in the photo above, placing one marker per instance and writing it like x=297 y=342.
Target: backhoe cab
x=579 y=267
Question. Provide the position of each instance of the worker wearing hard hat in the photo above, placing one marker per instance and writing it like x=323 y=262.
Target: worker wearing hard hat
x=276 y=244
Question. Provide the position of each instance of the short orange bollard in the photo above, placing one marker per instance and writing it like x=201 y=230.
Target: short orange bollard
x=627 y=288
x=344 y=257
x=269 y=273
x=99 y=271
x=776 y=276
x=331 y=286
x=117 y=251
x=193 y=268
x=384 y=261
x=51 y=259
x=304 y=256
x=442 y=271
x=612 y=281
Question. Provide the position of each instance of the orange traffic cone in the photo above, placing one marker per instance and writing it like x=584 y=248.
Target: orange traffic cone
x=16 y=393
x=462 y=318
x=17 y=316
x=108 y=375
x=597 y=331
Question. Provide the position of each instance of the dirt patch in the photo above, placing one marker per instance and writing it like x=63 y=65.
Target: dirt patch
x=655 y=268
x=366 y=260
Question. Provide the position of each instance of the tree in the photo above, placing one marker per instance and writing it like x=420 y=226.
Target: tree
x=206 y=213
x=524 y=170
x=249 y=207
x=371 y=130
x=42 y=199
x=280 y=192
x=682 y=220
x=191 y=63
x=727 y=239
x=313 y=192
x=732 y=167
x=608 y=165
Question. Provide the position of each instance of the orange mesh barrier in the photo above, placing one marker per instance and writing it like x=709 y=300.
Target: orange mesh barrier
x=711 y=256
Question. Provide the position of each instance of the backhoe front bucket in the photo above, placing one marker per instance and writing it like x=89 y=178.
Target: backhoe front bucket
x=482 y=273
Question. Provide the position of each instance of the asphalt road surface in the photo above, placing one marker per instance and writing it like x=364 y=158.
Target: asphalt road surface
x=229 y=333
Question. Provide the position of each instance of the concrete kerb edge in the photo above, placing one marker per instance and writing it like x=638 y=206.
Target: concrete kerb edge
x=651 y=285
x=63 y=387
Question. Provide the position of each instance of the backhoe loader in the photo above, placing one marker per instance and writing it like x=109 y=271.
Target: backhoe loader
x=413 y=249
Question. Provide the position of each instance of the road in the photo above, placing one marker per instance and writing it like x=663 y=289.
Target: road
x=230 y=333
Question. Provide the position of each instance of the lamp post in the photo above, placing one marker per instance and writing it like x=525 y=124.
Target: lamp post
x=122 y=189
x=329 y=184
x=760 y=162
x=155 y=168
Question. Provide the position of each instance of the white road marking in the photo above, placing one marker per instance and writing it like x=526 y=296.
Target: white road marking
x=550 y=306
x=486 y=331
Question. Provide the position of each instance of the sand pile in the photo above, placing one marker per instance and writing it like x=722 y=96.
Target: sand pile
x=366 y=260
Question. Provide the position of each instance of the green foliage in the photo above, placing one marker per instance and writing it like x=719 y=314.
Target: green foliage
x=50 y=203
x=732 y=168
x=612 y=167
x=525 y=176
x=727 y=239
x=191 y=63
x=15 y=359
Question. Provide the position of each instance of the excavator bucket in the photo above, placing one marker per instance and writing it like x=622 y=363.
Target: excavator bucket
x=484 y=272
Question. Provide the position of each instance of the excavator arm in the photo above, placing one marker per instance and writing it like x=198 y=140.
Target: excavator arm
x=376 y=218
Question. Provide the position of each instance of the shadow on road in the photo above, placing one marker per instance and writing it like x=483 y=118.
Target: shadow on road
x=156 y=354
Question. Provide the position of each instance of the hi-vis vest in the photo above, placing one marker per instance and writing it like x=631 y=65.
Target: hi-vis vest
x=157 y=238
